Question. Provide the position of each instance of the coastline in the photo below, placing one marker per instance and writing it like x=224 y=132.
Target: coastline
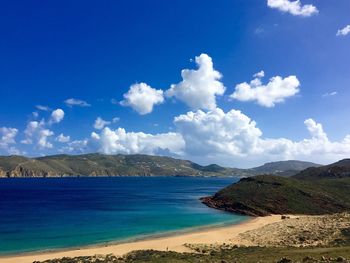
x=171 y=242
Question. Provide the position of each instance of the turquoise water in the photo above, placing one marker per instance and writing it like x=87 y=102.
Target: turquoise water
x=51 y=213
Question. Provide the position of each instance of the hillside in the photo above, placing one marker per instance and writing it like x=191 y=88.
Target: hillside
x=339 y=169
x=319 y=190
x=108 y=165
x=128 y=165
x=284 y=168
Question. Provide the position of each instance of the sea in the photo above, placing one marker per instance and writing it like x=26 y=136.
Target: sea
x=39 y=214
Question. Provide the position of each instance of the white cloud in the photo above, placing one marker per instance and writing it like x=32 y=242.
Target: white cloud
x=119 y=141
x=42 y=108
x=100 y=123
x=232 y=138
x=7 y=138
x=316 y=129
x=216 y=132
x=62 y=138
x=199 y=88
x=275 y=91
x=260 y=74
x=142 y=98
x=227 y=138
x=329 y=94
x=76 y=146
x=43 y=136
x=76 y=102
x=293 y=7
x=36 y=131
x=344 y=31
x=57 y=116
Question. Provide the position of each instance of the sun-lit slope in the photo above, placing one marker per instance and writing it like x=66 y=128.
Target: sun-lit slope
x=321 y=191
x=284 y=168
x=339 y=169
x=108 y=165
x=95 y=164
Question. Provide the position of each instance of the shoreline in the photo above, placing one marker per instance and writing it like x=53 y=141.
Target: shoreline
x=139 y=238
x=167 y=241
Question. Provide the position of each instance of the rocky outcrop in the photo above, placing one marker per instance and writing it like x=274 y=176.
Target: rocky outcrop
x=235 y=207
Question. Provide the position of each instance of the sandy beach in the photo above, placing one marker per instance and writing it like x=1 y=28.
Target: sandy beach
x=227 y=234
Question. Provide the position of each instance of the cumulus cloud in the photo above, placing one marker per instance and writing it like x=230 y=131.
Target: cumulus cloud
x=293 y=7
x=142 y=98
x=344 y=31
x=76 y=102
x=57 y=116
x=7 y=140
x=100 y=123
x=260 y=74
x=275 y=91
x=216 y=132
x=76 y=146
x=228 y=138
x=316 y=129
x=199 y=88
x=36 y=131
x=233 y=137
x=119 y=141
x=62 y=138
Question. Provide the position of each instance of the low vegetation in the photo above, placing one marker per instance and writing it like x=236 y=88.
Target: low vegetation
x=314 y=191
x=128 y=165
x=107 y=165
x=238 y=254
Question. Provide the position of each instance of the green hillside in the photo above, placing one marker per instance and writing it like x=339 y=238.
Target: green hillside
x=336 y=170
x=108 y=165
x=129 y=165
x=319 y=190
x=284 y=168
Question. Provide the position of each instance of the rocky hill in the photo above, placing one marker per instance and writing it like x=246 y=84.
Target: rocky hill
x=284 y=168
x=319 y=190
x=127 y=165
x=336 y=170
x=107 y=165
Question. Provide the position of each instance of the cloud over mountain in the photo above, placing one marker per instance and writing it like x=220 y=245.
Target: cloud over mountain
x=7 y=139
x=120 y=141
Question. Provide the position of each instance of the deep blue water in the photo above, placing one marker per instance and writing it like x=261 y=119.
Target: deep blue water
x=48 y=213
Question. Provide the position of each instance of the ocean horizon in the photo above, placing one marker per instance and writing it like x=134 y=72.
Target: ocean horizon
x=39 y=214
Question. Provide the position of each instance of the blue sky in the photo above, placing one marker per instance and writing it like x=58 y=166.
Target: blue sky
x=94 y=52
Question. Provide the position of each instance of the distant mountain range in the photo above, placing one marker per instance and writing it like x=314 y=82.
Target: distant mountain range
x=131 y=165
x=316 y=190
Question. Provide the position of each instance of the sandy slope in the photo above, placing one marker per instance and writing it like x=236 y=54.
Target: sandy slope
x=174 y=243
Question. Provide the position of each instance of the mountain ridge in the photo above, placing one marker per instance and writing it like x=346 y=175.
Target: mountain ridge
x=96 y=164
